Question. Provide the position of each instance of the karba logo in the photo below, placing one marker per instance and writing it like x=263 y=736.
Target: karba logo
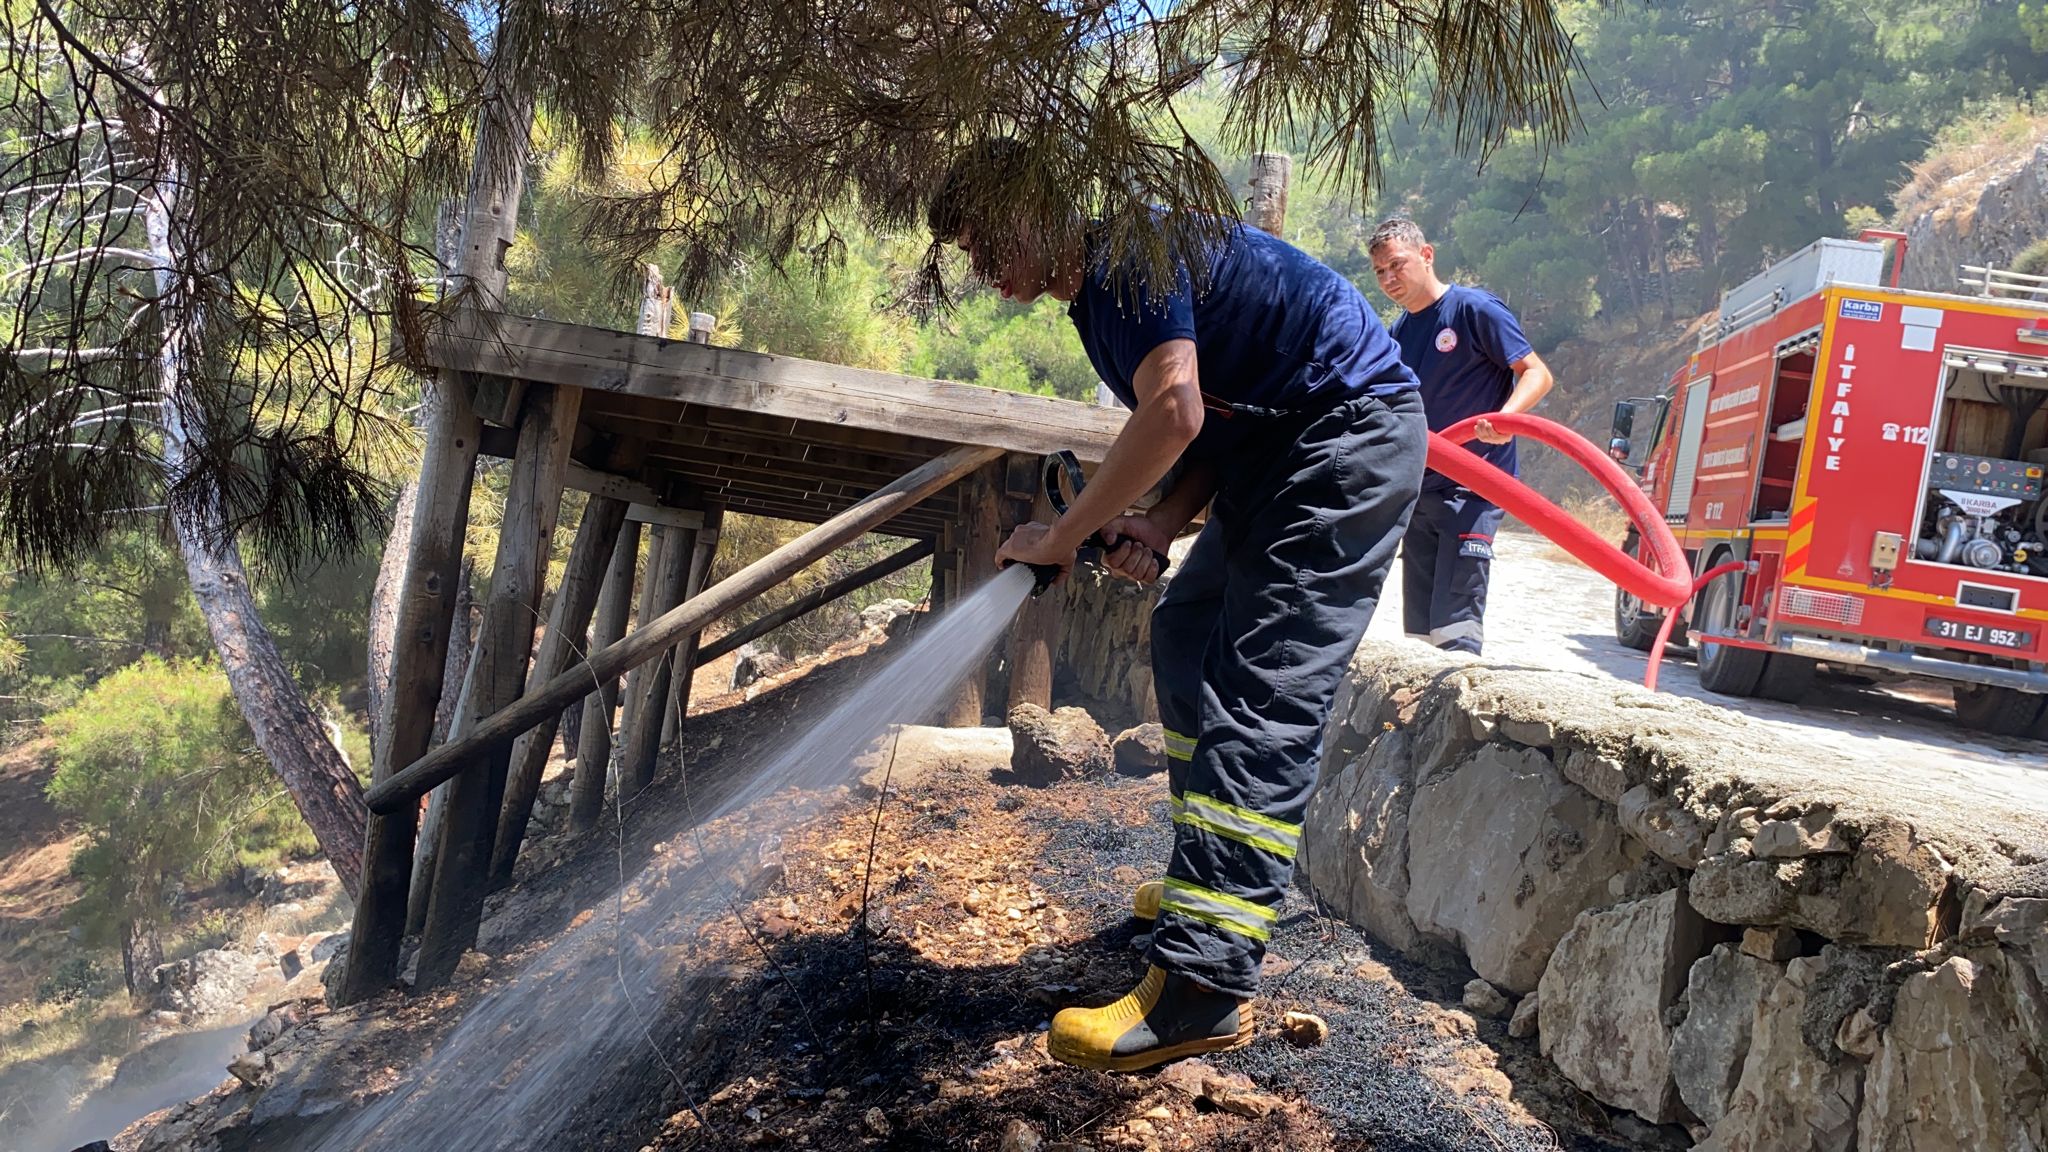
x=1862 y=309
x=1446 y=340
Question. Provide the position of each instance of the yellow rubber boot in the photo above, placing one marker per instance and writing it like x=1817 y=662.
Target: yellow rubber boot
x=1166 y=1017
x=1145 y=901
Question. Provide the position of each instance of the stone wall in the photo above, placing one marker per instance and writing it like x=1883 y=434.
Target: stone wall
x=1774 y=950
x=1992 y=219
x=1105 y=647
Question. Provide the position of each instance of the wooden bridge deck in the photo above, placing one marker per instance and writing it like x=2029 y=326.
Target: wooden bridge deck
x=749 y=431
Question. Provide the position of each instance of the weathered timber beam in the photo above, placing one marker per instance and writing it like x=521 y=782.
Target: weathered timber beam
x=980 y=535
x=656 y=636
x=677 y=714
x=594 y=745
x=497 y=673
x=814 y=599
x=600 y=359
x=690 y=518
x=640 y=736
x=419 y=657
x=575 y=600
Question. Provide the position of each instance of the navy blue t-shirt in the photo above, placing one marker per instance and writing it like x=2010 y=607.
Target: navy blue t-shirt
x=1272 y=328
x=1461 y=348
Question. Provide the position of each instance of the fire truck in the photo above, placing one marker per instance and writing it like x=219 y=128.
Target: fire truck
x=1868 y=461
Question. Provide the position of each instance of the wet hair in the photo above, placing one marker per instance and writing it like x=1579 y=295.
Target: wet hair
x=1396 y=229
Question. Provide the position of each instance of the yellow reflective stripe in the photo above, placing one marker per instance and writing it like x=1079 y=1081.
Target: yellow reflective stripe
x=1218 y=909
x=1179 y=805
x=1178 y=746
x=1234 y=823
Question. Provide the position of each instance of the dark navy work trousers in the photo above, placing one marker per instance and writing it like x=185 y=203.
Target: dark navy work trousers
x=1446 y=560
x=1249 y=644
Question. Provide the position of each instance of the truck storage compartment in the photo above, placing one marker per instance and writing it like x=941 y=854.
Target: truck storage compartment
x=1985 y=505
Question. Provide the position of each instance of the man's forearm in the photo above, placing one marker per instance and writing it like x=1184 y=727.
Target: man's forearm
x=1530 y=389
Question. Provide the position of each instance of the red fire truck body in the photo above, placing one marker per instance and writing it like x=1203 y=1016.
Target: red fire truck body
x=1876 y=458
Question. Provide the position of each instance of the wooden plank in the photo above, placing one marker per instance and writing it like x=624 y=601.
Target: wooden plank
x=426 y=607
x=579 y=356
x=651 y=640
x=497 y=674
x=677 y=714
x=594 y=745
x=817 y=598
x=907 y=526
x=641 y=737
x=1036 y=630
x=980 y=535
x=568 y=626
x=690 y=518
x=633 y=696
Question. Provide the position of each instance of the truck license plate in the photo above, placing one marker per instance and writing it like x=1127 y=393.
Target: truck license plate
x=1987 y=634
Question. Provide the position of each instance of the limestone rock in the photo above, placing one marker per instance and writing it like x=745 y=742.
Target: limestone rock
x=330 y=979
x=1814 y=834
x=1484 y=999
x=883 y=615
x=1888 y=892
x=328 y=946
x=278 y=1021
x=1858 y=1034
x=1019 y=1136
x=251 y=1068
x=1140 y=751
x=1723 y=990
x=1663 y=825
x=1550 y=849
x=208 y=985
x=1051 y=746
x=911 y=754
x=753 y=664
x=1354 y=855
x=1954 y=1069
x=1776 y=943
x=1789 y=1099
x=1523 y=1024
x=1603 y=997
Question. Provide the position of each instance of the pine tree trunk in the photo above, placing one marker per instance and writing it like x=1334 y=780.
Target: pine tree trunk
x=141 y=952
x=384 y=606
x=287 y=731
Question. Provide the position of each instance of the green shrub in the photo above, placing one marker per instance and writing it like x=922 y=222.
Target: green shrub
x=156 y=764
x=79 y=978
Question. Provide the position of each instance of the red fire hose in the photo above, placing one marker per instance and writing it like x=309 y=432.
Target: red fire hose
x=1664 y=582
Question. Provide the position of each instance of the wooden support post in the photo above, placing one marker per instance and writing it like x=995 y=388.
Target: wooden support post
x=568 y=626
x=633 y=693
x=942 y=569
x=640 y=735
x=433 y=570
x=980 y=535
x=497 y=673
x=594 y=750
x=817 y=598
x=677 y=714
x=1036 y=631
x=654 y=637
x=1272 y=172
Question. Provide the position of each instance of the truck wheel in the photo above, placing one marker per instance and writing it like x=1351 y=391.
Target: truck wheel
x=1999 y=711
x=1636 y=623
x=1786 y=678
x=1724 y=669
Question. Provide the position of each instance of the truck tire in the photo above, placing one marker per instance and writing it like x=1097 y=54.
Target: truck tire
x=1999 y=711
x=1636 y=623
x=1724 y=669
x=1786 y=678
